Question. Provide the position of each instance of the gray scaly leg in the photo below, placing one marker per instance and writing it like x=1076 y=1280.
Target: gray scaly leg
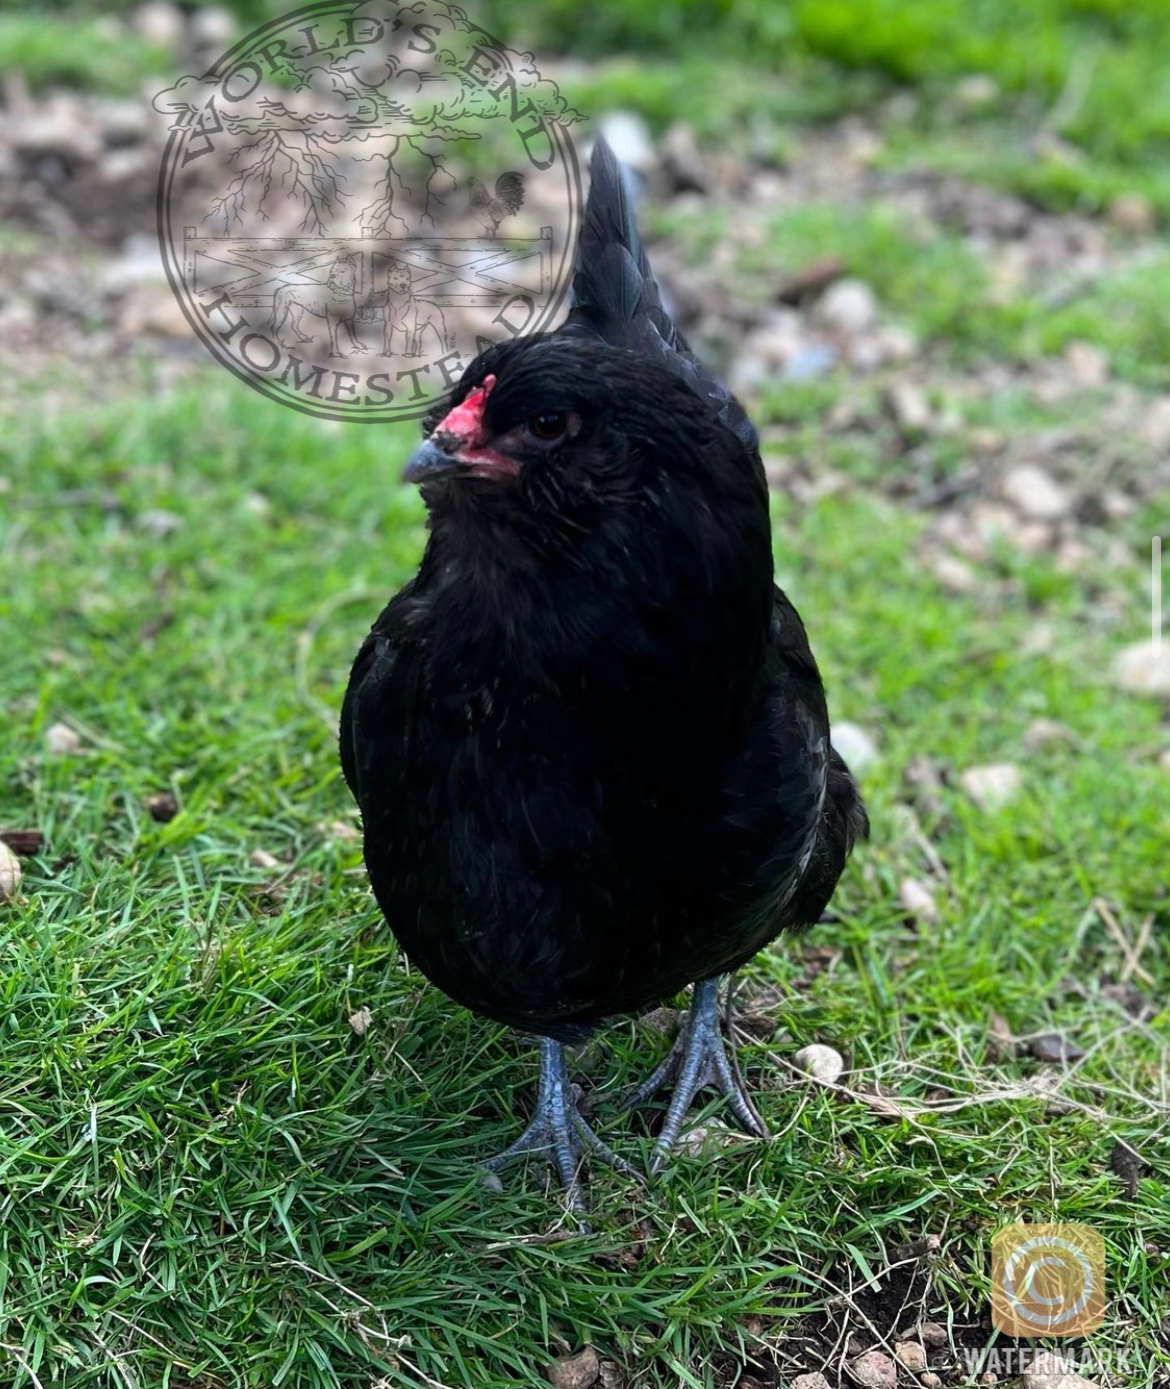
x=559 y=1133
x=700 y=1057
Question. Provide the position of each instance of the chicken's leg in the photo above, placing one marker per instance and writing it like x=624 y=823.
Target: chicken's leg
x=699 y=1057
x=558 y=1131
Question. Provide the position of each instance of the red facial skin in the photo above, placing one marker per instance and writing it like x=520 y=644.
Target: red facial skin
x=461 y=434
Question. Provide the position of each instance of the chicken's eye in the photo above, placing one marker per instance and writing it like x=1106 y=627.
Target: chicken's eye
x=549 y=424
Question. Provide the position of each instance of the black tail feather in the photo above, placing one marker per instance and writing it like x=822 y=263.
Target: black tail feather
x=615 y=296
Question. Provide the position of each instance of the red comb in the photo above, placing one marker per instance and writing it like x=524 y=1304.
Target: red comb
x=466 y=420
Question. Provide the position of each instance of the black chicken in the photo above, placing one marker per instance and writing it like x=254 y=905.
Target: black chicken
x=490 y=211
x=589 y=740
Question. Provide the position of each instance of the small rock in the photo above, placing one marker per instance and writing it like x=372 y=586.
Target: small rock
x=160 y=23
x=707 y=1140
x=976 y=91
x=261 y=858
x=955 y=574
x=918 y=901
x=123 y=122
x=1116 y=505
x=920 y=1248
x=1132 y=213
x=815 y=1380
x=629 y=138
x=898 y=344
x=664 y=1021
x=11 y=873
x=854 y=744
x=820 y=1062
x=147 y=309
x=810 y=281
x=993 y=786
x=985 y=440
x=60 y=127
x=1127 y=1167
x=1001 y=1041
x=680 y=155
x=1127 y=996
x=911 y=1355
x=873 y=1370
x=139 y=263
x=862 y=144
x=1043 y=733
x=933 y=1333
x=1155 y=427
x=1086 y=364
x=1053 y=150
x=62 y=741
x=1050 y=1371
x=578 y=1371
x=212 y=26
x=930 y=1380
x=989 y=522
x=163 y=806
x=1039 y=640
x=1033 y=537
x=1036 y=493
x=121 y=165
x=1143 y=668
x=1055 y=1049
x=361 y=1021
x=158 y=523
x=768 y=349
x=909 y=407
x=810 y=360
x=610 y=1376
x=848 y=306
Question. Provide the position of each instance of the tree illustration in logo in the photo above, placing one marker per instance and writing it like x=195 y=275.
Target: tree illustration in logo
x=325 y=251
x=380 y=84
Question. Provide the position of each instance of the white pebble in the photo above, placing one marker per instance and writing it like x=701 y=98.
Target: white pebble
x=61 y=740
x=993 y=786
x=10 y=873
x=848 y=306
x=1143 y=668
x=1036 y=493
x=820 y=1062
x=918 y=901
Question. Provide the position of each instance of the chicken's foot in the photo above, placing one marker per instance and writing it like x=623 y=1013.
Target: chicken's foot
x=559 y=1133
x=700 y=1057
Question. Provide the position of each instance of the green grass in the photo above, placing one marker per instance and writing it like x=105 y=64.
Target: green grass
x=210 y=1179
x=749 y=74
x=929 y=279
x=96 y=54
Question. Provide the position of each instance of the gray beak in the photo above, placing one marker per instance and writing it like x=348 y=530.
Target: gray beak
x=428 y=462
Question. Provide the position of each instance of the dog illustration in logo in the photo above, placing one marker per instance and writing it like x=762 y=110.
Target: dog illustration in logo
x=401 y=308
x=335 y=302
